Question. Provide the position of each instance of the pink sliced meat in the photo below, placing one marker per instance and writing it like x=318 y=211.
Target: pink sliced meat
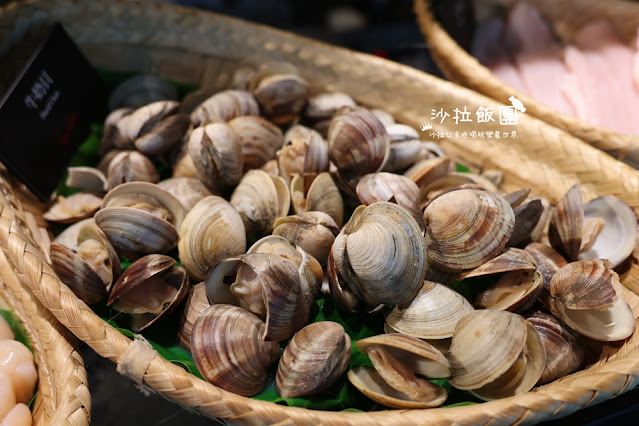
x=603 y=67
x=635 y=65
x=489 y=49
x=538 y=56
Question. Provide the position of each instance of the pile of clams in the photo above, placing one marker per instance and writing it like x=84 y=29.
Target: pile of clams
x=279 y=194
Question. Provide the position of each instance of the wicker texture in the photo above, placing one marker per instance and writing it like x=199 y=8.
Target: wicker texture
x=567 y=17
x=204 y=48
x=63 y=395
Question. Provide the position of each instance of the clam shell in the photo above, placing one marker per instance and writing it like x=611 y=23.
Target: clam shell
x=228 y=349
x=358 y=142
x=380 y=255
x=73 y=208
x=566 y=225
x=225 y=106
x=322 y=195
x=217 y=156
x=314 y=359
x=312 y=231
x=258 y=139
x=304 y=152
x=486 y=345
x=433 y=313
x=512 y=260
x=142 y=120
x=586 y=296
x=211 y=231
x=77 y=274
x=164 y=135
x=405 y=154
x=618 y=238
x=111 y=135
x=196 y=304
x=88 y=179
x=281 y=96
x=549 y=261
x=324 y=105
x=368 y=381
x=149 y=289
x=466 y=228
x=527 y=216
x=131 y=166
x=187 y=190
x=260 y=199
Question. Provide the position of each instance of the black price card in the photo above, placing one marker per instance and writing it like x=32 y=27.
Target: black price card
x=47 y=112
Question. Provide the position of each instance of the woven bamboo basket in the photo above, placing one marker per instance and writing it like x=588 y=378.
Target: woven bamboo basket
x=566 y=17
x=200 y=48
x=63 y=396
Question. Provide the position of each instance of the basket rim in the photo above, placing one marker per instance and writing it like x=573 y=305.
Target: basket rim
x=461 y=67
x=555 y=400
x=63 y=395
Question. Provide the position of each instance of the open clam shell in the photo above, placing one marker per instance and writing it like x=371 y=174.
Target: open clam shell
x=73 y=208
x=267 y=285
x=586 y=296
x=566 y=224
x=229 y=351
x=312 y=231
x=495 y=354
x=466 y=228
x=322 y=195
x=314 y=359
x=149 y=289
x=305 y=152
x=549 y=261
x=618 y=237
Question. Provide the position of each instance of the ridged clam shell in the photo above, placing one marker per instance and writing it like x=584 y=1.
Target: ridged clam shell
x=73 y=208
x=187 y=190
x=305 y=152
x=281 y=96
x=321 y=195
x=527 y=216
x=358 y=142
x=131 y=166
x=164 y=135
x=466 y=228
x=149 y=289
x=433 y=313
x=314 y=359
x=142 y=120
x=211 y=231
x=380 y=255
x=225 y=106
x=486 y=344
x=228 y=349
x=512 y=260
x=566 y=224
x=324 y=105
x=77 y=274
x=267 y=285
x=196 y=304
x=258 y=139
x=312 y=231
x=260 y=199
x=549 y=261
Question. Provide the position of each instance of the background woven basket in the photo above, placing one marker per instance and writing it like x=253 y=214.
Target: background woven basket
x=566 y=17
x=63 y=395
x=202 y=48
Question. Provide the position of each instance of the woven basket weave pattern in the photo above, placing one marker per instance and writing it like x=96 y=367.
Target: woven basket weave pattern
x=203 y=48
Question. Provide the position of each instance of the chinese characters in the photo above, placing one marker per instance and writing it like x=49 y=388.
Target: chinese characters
x=35 y=97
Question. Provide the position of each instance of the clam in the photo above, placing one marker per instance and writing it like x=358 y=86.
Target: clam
x=228 y=349
x=323 y=106
x=406 y=154
x=305 y=152
x=149 y=289
x=516 y=198
x=196 y=304
x=141 y=121
x=424 y=172
x=225 y=106
x=378 y=258
x=401 y=132
x=164 y=135
x=382 y=186
x=433 y=313
x=357 y=141
x=314 y=359
x=518 y=287
x=88 y=179
x=281 y=96
x=311 y=274
x=259 y=139
x=260 y=199
x=211 y=231
x=385 y=117
x=131 y=166
x=586 y=296
x=566 y=225
x=313 y=231
x=527 y=216
x=618 y=238
x=140 y=218
x=454 y=181
x=89 y=266
x=187 y=190
x=397 y=358
x=217 y=157
x=320 y=195
x=466 y=228
x=564 y=350
x=495 y=354
x=267 y=285
x=73 y=208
